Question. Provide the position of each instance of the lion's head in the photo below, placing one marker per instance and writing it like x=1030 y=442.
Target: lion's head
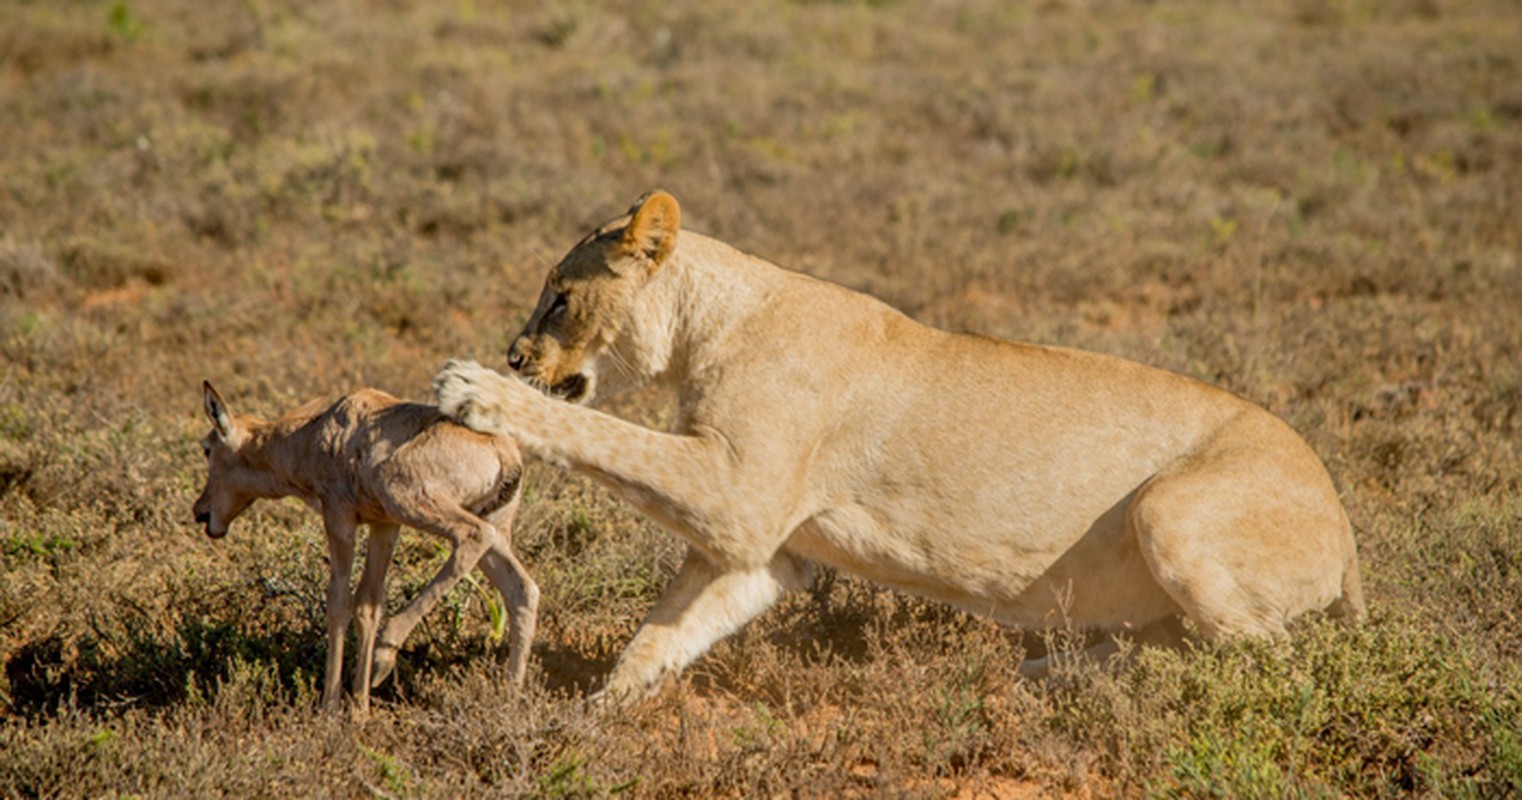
x=580 y=330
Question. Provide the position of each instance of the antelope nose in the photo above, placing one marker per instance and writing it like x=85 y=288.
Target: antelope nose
x=515 y=356
x=203 y=518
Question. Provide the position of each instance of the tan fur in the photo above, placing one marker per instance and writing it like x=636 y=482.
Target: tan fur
x=370 y=458
x=1036 y=485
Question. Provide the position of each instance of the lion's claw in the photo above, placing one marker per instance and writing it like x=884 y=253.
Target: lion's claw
x=457 y=388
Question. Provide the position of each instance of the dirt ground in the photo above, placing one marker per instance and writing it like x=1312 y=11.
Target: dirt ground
x=1317 y=205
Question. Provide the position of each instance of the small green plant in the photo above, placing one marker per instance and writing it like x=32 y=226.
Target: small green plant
x=1222 y=231
x=1506 y=746
x=102 y=737
x=123 y=22
x=1010 y=220
x=565 y=778
x=758 y=732
x=36 y=544
x=959 y=728
x=396 y=778
x=494 y=609
x=14 y=423
x=422 y=139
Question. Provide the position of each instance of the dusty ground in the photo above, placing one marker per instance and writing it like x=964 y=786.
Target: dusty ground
x=1313 y=204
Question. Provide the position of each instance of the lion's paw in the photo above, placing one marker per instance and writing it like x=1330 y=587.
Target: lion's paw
x=628 y=684
x=614 y=696
x=458 y=389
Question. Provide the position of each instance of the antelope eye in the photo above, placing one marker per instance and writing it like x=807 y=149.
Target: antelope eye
x=557 y=305
x=205 y=449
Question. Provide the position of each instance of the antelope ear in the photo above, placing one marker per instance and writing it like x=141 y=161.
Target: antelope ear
x=651 y=232
x=216 y=411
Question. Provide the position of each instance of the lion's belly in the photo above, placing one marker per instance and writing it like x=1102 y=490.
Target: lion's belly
x=1093 y=576
x=1008 y=496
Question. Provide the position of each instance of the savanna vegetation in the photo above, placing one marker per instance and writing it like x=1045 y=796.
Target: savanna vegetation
x=1315 y=204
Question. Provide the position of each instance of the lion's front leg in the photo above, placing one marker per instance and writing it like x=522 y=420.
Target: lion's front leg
x=688 y=483
x=703 y=604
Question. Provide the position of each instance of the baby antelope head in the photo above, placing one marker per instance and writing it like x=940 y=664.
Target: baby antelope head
x=230 y=479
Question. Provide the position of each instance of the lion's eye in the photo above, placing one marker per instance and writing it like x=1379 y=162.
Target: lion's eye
x=556 y=306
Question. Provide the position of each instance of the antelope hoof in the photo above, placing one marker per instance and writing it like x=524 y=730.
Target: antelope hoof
x=383 y=664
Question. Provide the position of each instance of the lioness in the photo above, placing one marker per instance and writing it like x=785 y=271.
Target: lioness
x=1031 y=484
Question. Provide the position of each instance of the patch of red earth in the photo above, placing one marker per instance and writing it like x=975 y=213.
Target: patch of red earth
x=130 y=293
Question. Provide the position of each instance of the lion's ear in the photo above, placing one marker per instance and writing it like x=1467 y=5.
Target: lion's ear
x=651 y=233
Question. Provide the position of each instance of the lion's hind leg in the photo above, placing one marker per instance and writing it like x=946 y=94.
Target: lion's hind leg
x=1245 y=535
x=1112 y=650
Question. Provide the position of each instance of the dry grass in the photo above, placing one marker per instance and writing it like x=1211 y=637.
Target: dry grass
x=1314 y=204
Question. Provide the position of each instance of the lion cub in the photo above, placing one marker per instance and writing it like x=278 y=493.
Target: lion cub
x=371 y=458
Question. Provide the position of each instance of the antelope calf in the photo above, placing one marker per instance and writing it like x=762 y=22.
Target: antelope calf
x=370 y=458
